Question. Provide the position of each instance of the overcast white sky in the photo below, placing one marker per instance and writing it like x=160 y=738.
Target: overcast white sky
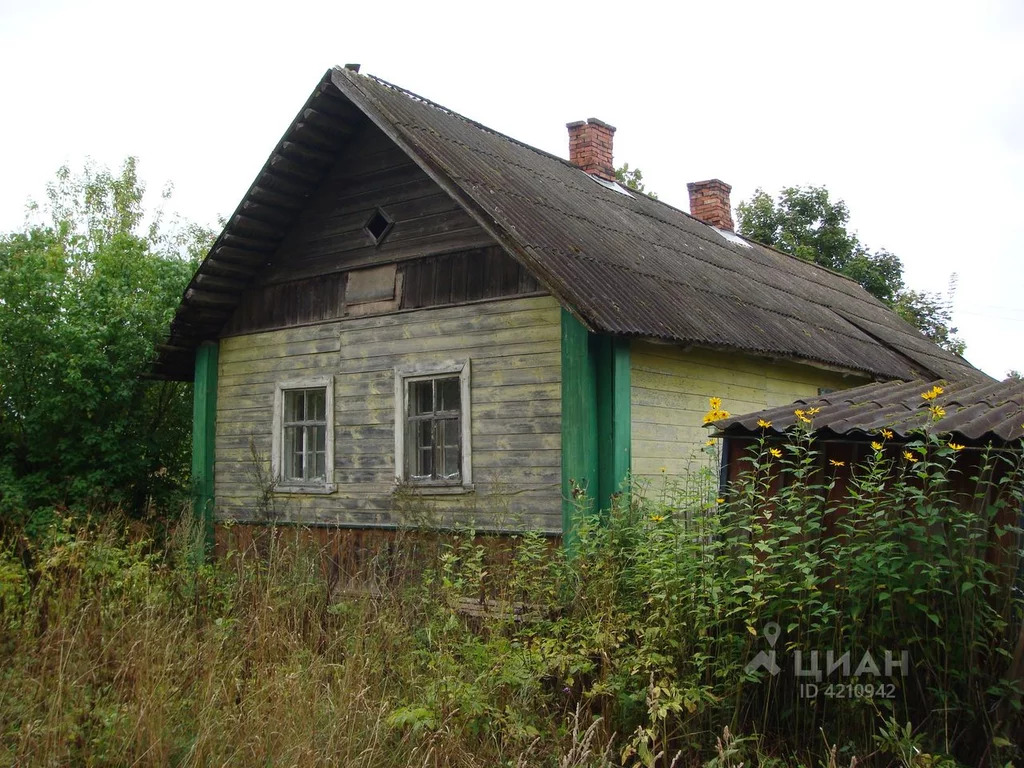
x=912 y=112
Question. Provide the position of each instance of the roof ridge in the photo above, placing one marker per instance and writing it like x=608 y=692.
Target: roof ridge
x=518 y=142
x=449 y=111
x=810 y=263
x=487 y=129
x=666 y=221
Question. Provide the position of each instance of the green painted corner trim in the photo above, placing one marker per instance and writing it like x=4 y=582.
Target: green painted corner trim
x=596 y=423
x=204 y=434
x=579 y=421
x=613 y=417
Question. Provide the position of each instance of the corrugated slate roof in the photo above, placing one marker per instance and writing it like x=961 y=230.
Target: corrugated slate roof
x=974 y=412
x=623 y=264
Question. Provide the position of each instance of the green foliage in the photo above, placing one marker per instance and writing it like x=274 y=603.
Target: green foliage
x=933 y=315
x=84 y=299
x=465 y=650
x=807 y=222
x=633 y=178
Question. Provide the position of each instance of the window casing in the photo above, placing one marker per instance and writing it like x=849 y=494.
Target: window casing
x=302 y=455
x=433 y=448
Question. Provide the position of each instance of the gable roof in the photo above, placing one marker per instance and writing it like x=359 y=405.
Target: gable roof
x=621 y=262
x=990 y=411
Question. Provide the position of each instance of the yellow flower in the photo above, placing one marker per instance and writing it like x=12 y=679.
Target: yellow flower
x=932 y=393
x=716 y=403
x=909 y=456
x=709 y=442
x=813 y=411
x=720 y=500
x=836 y=463
x=938 y=412
x=956 y=446
x=876 y=446
x=763 y=424
x=715 y=415
x=775 y=452
x=662 y=469
x=801 y=416
x=657 y=518
x=887 y=434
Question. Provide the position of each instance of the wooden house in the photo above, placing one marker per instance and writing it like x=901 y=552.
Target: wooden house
x=409 y=310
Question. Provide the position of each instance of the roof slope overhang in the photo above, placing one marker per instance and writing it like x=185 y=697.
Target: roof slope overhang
x=621 y=262
x=975 y=413
x=299 y=163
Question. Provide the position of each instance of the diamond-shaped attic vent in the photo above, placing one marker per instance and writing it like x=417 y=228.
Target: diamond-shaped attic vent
x=378 y=226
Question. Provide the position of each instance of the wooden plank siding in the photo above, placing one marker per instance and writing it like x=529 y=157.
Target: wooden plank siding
x=670 y=388
x=372 y=173
x=514 y=353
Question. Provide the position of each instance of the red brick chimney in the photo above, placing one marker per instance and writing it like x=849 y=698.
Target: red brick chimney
x=590 y=147
x=709 y=202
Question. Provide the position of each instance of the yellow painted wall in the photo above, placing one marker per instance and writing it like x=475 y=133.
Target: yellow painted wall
x=670 y=388
x=513 y=348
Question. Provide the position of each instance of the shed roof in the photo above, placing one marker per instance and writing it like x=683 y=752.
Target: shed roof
x=624 y=264
x=974 y=412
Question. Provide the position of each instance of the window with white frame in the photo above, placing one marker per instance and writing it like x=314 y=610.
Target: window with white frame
x=432 y=426
x=302 y=455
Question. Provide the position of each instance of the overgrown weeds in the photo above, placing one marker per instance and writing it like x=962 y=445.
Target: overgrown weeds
x=681 y=613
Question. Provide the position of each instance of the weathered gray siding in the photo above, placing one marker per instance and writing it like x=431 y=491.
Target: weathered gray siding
x=371 y=173
x=513 y=348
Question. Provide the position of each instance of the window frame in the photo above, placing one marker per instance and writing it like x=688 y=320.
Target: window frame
x=406 y=374
x=327 y=485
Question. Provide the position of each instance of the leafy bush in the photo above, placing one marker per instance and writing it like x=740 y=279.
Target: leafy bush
x=634 y=651
x=84 y=299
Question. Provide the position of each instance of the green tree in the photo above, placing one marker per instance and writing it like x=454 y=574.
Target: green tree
x=84 y=299
x=807 y=222
x=633 y=178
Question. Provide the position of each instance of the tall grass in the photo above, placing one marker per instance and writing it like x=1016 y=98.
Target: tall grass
x=120 y=650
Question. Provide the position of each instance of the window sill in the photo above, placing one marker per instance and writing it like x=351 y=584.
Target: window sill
x=436 y=490
x=321 y=489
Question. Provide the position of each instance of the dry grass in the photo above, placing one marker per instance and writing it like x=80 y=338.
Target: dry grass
x=121 y=655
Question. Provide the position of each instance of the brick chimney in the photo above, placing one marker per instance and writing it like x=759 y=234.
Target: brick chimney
x=590 y=147
x=709 y=202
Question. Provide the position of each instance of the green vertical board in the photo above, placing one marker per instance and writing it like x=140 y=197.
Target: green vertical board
x=579 y=421
x=613 y=417
x=595 y=420
x=204 y=424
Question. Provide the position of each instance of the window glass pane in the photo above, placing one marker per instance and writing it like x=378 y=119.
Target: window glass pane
x=421 y=449
x=450 y=469
x=448 y=442
x=420 y=397
x=316 y=404
x=321 y=465
x=293 y=405
x=448 y=394
x=292 y=453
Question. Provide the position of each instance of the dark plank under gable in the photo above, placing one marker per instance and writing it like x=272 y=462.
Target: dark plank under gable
x=435 y=281
x=456 y=278
x=286 y=304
